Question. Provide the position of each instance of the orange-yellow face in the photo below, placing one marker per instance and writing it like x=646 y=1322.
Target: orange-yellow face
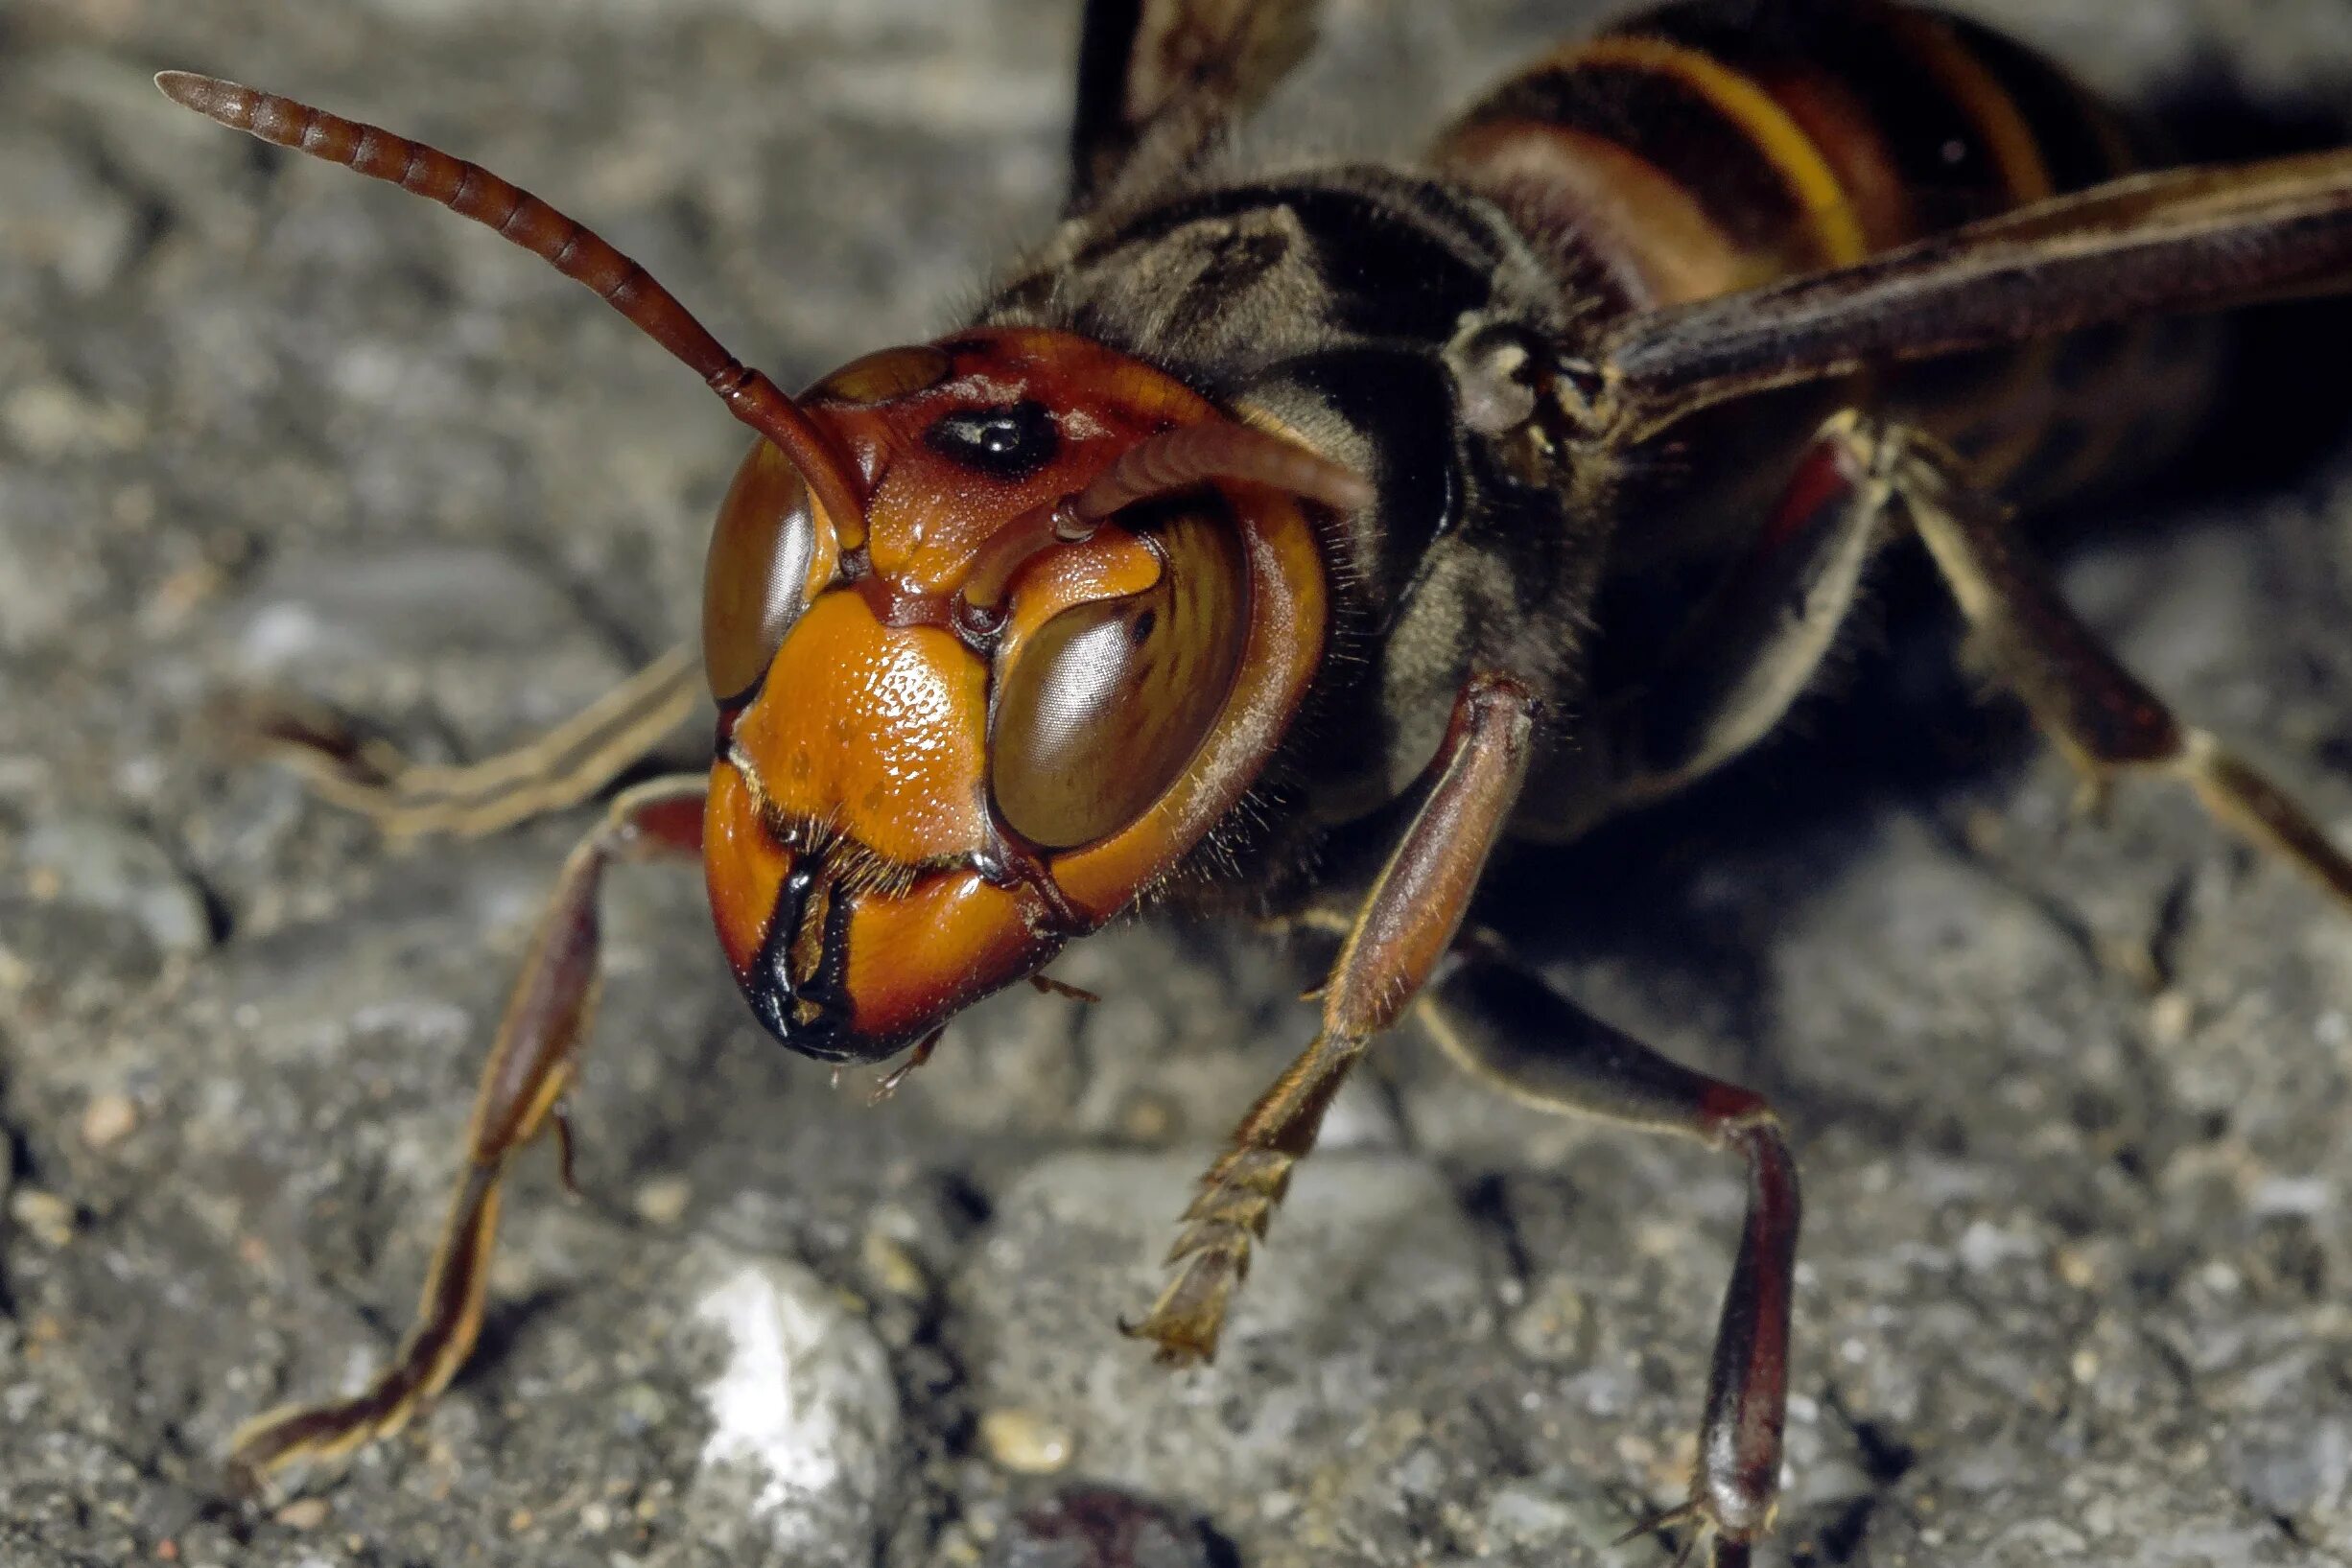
x=960 y=729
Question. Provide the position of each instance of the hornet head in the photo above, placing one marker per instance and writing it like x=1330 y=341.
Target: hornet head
x=1063 y=628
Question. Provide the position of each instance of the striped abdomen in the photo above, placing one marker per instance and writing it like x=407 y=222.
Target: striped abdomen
x=1711 y=146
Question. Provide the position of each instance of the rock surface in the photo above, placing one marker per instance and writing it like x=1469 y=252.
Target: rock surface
x=2072 y=1103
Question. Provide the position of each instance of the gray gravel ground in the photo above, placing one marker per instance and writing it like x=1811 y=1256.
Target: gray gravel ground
x=2072 y=1104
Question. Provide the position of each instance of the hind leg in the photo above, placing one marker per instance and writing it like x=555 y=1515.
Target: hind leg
x=2101 y=719
x=551 y=771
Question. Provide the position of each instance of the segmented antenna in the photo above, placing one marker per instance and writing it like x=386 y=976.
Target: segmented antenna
x=1158 y=465
x=571 y=247
x=1191 y=455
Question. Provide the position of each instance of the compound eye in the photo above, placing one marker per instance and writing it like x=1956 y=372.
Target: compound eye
x=1105 y=706
x=768 y=560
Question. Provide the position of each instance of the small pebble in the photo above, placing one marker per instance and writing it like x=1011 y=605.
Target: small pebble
x=304 y=1513
x=2169 y=1016
x=1552 y=1326
x=2132 y=958
x=2077 y=1268
x=1148 y=1118
x=1526 y=1513
x=662 y=1201
x=46 y=1217
x=638 y=1408
x=1026 y=1444
x=892 y=1266
x=52 y=419
x=108 y=1120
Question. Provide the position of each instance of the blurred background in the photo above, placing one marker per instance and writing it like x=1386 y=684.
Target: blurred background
x=2072 y=1102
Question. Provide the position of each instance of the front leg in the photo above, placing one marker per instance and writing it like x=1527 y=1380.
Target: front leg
x=1404 y=929
x=531 y=1065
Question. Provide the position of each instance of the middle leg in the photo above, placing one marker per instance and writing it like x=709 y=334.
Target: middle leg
x=520 y=1092
x=1505 y=1026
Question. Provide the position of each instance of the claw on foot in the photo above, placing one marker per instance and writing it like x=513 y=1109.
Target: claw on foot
x=1236 y=1203
x=316 y=740
x=293 y=1436
x=1046 y=985
x=448 y=1322
x=1185 y=1322
x=1699 y=1524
